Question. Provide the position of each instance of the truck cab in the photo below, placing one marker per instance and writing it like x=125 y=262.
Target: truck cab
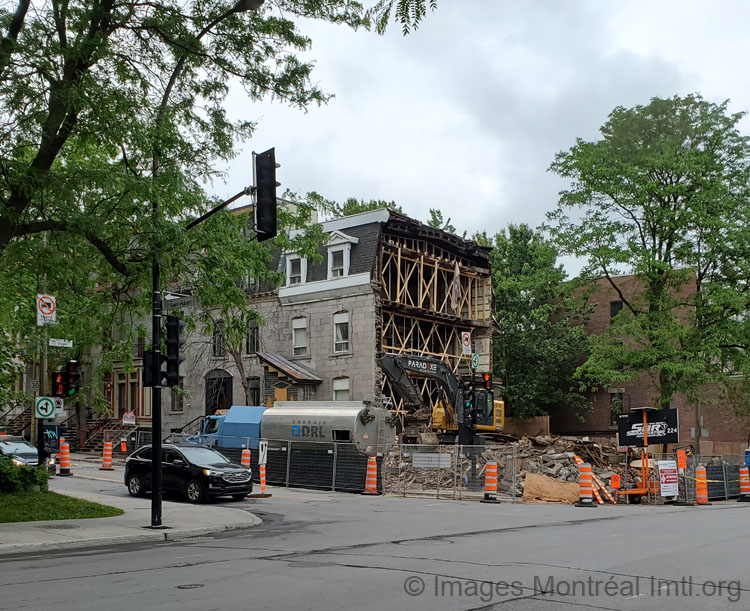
x=237 y=427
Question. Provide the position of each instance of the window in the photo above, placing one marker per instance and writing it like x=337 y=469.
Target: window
x=177 y=399
x=341 y=332
x=341 y=389
x=337 y=263
x=616 y=406
x=254 y=384
x=218 y=340
x=296 y=270
x=615 y=307
x=253 y=339
x=299 y=336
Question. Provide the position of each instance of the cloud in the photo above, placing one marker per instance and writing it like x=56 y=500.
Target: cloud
x=467 y=113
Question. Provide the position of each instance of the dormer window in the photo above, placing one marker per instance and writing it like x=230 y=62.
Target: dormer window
x=296 y=270
x=337 y=263
x=339 y=254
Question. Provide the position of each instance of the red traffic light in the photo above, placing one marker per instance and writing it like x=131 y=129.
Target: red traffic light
x=487 y=380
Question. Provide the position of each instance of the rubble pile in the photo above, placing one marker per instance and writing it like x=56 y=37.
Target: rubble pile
x=545 y=455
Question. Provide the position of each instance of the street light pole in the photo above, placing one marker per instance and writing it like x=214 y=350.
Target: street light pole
x=156 y=480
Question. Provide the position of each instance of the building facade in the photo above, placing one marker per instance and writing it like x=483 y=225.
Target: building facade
x=719 y=428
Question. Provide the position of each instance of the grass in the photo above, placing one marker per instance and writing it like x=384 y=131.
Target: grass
x=33 y=506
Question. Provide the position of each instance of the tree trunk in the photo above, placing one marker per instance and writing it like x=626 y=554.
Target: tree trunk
x=237 y=357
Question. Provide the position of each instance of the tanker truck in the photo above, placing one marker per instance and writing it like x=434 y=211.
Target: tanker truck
x=317 y=444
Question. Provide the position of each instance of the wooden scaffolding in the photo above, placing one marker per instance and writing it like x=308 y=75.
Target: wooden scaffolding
x=433 y=287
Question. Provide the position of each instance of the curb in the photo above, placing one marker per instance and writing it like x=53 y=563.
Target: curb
x=144 y=537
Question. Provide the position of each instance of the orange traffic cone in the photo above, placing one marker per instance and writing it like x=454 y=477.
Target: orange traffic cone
x=586 y=490
x=371 y=479
x=490 y=483
x=701 y=486
x=64 y=458
x=245 y=462
x=744 y=485
x=107 y=457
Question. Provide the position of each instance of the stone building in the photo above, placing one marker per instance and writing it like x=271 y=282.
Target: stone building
x=383 y=284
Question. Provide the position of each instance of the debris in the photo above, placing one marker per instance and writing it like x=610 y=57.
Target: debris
x=542 y=488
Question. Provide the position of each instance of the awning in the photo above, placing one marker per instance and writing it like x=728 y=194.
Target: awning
x=288 y=368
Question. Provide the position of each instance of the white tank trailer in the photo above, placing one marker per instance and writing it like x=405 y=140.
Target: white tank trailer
x=367 y=427
x=325 y=444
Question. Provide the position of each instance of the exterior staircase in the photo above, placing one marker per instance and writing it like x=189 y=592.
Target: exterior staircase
x=15 y=422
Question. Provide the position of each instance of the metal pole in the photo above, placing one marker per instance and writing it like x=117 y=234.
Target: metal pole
x=514 y=474
x=288 y=460
x=156 y=499
x=333 y=474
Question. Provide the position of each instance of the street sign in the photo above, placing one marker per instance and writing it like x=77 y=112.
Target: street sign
x=466 y=342
x=262 y=452
x=59 y=406
x=35 y=385
x=172 y=302
x=128 y=419
x=46 y=310
x=475 y=361
x=45 y=407
x=60 y=343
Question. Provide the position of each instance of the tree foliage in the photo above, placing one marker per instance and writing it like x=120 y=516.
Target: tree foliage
x=663 y=194
x=540 y=347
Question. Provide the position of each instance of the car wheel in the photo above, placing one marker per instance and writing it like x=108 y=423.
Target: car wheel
x=194 y=491
x=135 y=485
x=239 y=497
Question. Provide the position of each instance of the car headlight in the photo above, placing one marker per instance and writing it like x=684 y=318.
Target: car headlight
x=18 y=463
x=211 y=472
x=51 y=460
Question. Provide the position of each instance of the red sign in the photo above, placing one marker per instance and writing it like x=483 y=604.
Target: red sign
x=681 y=459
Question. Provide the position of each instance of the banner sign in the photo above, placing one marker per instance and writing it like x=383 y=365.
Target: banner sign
x=663 y=427
x=667 y=477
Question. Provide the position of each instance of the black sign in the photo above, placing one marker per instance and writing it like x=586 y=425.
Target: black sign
x=663 y=427
x=52 y=438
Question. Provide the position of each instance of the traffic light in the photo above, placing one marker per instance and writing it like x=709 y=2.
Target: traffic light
x=58 y=384
x=148 y=368
x=174 y=341
x=265 y=200
x=487 y=380
x=72 y=378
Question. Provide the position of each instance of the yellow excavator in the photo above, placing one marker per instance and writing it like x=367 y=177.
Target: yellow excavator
x=465 y=410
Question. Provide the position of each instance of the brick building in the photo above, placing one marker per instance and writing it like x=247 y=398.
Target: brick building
x=721 y=431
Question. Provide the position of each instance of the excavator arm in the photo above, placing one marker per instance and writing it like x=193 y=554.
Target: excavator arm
x=397 y=367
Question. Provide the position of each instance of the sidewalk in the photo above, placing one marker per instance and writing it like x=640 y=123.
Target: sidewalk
x=182 y=520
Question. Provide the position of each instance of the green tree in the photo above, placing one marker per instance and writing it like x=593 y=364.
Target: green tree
x=539 y=348
x=663 y=194
x=436 y=220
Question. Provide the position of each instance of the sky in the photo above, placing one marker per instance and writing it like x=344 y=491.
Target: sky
x=466 y=113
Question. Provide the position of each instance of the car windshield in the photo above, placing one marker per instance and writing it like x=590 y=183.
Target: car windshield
x=17 y=447
x=203 y=456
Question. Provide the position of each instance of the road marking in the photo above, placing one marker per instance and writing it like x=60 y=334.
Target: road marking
x=101 y=479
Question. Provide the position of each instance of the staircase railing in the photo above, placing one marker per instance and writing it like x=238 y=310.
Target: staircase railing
x=194 y=427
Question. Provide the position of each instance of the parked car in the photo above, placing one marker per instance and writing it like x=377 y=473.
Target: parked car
x=193 y=470
x=22 y=453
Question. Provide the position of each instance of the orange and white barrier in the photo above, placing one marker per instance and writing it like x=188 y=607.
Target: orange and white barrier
x=245 y=461
x=123 y=446
x=701 y=486
x=744 y=485
x=371 y=478
x=599 y=483
x=262 y=469
x=64 y=458
x=107 y=457
x=586 y=490
x=490 y=483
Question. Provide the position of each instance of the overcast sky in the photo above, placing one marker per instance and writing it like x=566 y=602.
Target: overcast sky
x=467 y=113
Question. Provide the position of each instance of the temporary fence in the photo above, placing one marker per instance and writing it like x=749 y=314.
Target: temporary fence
x=449 y=471
x=126 y=441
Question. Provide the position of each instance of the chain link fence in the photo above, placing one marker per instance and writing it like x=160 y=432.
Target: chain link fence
x=448 y=471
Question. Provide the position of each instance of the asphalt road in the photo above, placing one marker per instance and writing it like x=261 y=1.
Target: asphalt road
x=329 y=551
